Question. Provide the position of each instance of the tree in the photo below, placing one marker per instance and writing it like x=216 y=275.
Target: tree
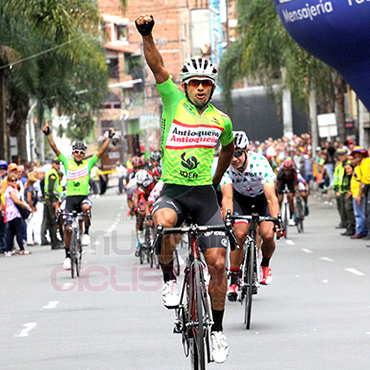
x=67 y=59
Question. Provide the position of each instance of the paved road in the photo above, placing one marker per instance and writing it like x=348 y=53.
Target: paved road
x=315 y=314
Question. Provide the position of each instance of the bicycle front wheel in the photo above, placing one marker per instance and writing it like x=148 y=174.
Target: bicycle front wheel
x=142 y=254
x=176 y=263
x=248 y=281
x=78 y=257
x=72 y=253
x=197 y=290
x=299 y=215
x=285 y=220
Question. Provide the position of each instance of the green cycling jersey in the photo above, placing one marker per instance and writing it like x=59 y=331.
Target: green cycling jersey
x=78 y=175
x=188 y=139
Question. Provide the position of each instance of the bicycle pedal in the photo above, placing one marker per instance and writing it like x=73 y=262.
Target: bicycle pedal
x=177 y=329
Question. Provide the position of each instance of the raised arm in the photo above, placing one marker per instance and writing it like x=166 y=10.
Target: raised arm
x=145 y=24
x=104 y=147
x=46 y=131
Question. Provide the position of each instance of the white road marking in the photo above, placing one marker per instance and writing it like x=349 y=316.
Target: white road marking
x=67 y=286
x=27 y=328
x=306 y=250
x=290 y=242
x=326 y=259
x=355 y=272
x=52 y=304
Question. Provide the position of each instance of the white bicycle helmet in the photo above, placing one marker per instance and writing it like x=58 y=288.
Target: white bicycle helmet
x=155 y=155
x=79 y=145
x=199 y=67
x=143 y=178
x=241 y=140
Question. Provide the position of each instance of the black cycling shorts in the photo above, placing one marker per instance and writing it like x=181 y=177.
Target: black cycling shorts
x=281 y=186
x=74 y=203
x=198 y=202
x=244 y=205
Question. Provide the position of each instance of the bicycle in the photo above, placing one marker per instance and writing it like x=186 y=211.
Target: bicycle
x=75 y=248
x=299 y=212
x=193 y=316
x=251 y=274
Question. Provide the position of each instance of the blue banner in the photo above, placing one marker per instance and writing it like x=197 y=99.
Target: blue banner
x=337 y=32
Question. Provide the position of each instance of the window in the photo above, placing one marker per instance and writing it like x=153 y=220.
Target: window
x=112 y=101
x=113 y=69
x=121 y=33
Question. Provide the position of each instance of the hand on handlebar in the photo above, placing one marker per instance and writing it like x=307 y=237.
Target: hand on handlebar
x=278 y=228
x=230 y=231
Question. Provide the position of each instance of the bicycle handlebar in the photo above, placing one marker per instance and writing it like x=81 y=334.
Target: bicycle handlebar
x=195 y=229
x=255 y=217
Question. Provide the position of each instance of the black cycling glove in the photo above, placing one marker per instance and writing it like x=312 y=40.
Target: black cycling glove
x=146 y=28
x=47 y=131
x=110 y=134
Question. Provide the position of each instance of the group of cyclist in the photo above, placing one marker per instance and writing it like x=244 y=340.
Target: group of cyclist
x=180 y=181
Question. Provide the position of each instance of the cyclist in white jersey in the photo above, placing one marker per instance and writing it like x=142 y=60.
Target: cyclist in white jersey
x=248 y=186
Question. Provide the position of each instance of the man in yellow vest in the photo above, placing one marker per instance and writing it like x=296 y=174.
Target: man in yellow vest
x=52 y=190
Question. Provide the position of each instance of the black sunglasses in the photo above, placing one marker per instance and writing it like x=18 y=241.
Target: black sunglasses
x=12 y=180
x=238 y=154
x=79 y=152
x=195 y=83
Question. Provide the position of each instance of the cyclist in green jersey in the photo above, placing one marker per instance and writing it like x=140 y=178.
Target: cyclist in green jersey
x=78 y=175
x=191 y=129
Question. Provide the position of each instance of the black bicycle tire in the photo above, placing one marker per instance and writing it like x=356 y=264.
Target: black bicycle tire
x=248 y=280
x=300 y=216
x=72 y=253
x=152 y=253
x=176 y=263
x=286 y=222
x=78 y=258
x=142 y=254
x=199 y=313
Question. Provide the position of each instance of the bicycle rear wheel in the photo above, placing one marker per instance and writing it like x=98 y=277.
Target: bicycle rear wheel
x=248 y=281
x=197 y=312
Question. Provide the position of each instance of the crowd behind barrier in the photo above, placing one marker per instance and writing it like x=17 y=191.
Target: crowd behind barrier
x=30 y=189
x=338 y=171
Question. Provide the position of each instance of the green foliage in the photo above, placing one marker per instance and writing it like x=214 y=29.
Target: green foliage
x=64 y=63
x=80 y=125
